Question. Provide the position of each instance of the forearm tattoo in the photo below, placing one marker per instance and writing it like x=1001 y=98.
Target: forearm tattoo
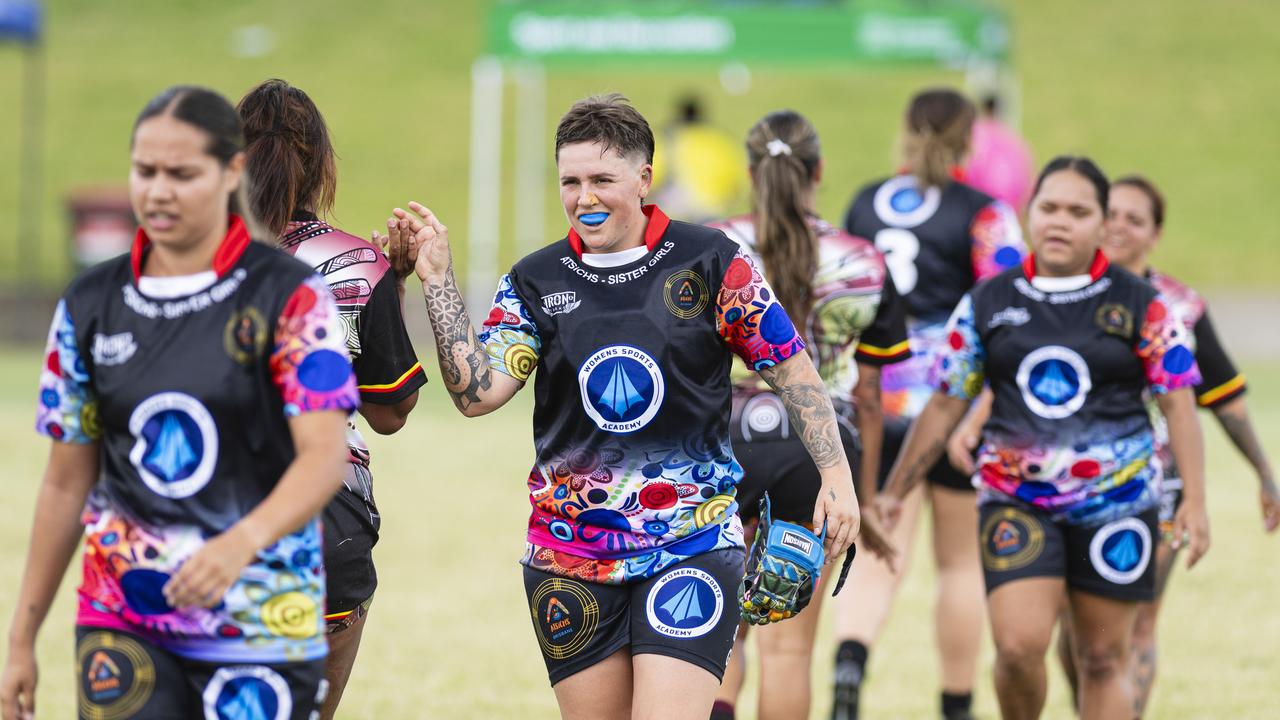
x=915 y=472
x=464 y=365
x=1235 y=421
x=811 y=414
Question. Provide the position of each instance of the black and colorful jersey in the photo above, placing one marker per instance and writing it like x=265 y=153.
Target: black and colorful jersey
x=634 y=468
x=189 y=398
x=387 y=369
x=1220 y=383
x=937 y=244
x=856 y=317
x=1069 y=364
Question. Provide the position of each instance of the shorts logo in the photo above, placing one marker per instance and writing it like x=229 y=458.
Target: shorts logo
x=177 y=444
x=1054 y=381
x=685 y=294
x=1121 y=550
x=1115 y=319
x=561 y=303
x=764 y=413
x=1012 y=316
x=565 y=615
x=899 y=203
x=798 y=542
x=113 y=349
x=685 y=603
x=245 y=336
x=1011 y=539
x=247 y=691
x=622 y=388
x=117 y=676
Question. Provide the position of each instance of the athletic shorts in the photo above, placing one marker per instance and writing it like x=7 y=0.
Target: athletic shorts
x=782 y=467
x=688 y=611
x=1170 y=501
x=1115 y=560
x=350 y=527
x=122 y=675
x=941 y=474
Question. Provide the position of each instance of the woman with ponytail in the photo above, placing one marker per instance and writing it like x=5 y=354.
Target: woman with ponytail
x=837 y=285
x=291 y=163
x=940 y=237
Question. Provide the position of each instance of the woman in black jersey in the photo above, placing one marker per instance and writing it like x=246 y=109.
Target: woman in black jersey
x=1135 y=224
x=1070 y=345
x=854 y=325
x=195 y=391
x=940 y=237
x=291 y=161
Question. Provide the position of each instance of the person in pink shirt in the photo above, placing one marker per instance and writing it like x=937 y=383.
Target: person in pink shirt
x=1000 y=163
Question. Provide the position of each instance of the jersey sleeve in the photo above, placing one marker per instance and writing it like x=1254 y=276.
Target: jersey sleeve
x=996 y=240
x=509 y=334
x=885 y=340
x=68 y=409
x=751 y=320
x=309 y=362
x=387 y=368
x=1220 y=381
x=1164 y=347
x=960 y=367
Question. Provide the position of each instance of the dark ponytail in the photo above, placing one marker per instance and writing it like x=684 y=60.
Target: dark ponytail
x=212 y=114
x=936 y=137
x=783 y=152
x=290 y=157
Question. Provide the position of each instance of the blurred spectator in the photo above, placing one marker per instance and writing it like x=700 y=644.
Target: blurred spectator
x=1000 y=164
x=697 y=167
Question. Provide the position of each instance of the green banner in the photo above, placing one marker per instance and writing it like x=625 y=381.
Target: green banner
x=940 y=31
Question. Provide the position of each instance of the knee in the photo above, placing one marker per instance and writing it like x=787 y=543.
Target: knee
x=1019 y=654
x=1102 y=662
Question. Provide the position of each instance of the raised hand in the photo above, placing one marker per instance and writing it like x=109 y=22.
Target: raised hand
x=421 y=235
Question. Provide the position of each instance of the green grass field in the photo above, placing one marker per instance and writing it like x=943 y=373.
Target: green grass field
x=1181 y=89
x=449 y=634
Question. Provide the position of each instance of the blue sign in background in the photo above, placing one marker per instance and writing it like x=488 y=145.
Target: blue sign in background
x=20 y=20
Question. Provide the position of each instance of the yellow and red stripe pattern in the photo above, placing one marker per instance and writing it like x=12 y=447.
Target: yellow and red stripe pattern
x=885 y=355
x=396 y=384
x=1222 y=393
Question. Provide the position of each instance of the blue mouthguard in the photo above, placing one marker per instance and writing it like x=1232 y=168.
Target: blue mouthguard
x=594 y=219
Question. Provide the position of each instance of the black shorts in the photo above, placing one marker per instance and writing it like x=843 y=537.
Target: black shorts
x=775 y=461
x=688 y=611
x=122 y=675
x=1114 y=560
x=350 y=526
x=941 y=474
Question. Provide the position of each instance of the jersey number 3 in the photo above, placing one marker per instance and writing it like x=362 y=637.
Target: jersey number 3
x=900 y=248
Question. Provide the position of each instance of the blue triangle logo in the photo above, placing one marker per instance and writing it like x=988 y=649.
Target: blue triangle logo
x=1124 y=554
x=685 y=604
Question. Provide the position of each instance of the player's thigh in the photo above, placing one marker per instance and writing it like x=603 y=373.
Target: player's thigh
x=668 y=687
x=600 y=690
x=1103 y=628
x=955 y=525
x=1023 y=613
x=794 y=637
x=123 y=675
x=1024 y=569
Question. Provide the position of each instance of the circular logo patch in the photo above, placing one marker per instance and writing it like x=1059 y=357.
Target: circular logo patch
x=622 y=388
x=1054 y=381
x=685 y=294
x=566 y=616
x=899 y=203
x=117 y=676
x=1121 y=550
x=245 y=336
x=176 y=444
x=763 y=413
x=684 y=603
x=247 y=691
x=1011 y=539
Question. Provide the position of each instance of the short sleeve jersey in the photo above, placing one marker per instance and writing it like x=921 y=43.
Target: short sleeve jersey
x=1220 y=383
x=937 y=244
x=1068 y=432
x=190 y=399
x=368 y=300
x=634 y=468
x=856 y=316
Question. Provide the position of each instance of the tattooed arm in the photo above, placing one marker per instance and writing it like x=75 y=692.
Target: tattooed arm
x=798 y=386
x=464 y=364
x=925 y=443
x=1233 y=415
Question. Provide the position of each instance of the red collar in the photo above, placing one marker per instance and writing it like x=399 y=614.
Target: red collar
x=658 y=222
x=224 y=258
x=1096 y=268
x=957 y=172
